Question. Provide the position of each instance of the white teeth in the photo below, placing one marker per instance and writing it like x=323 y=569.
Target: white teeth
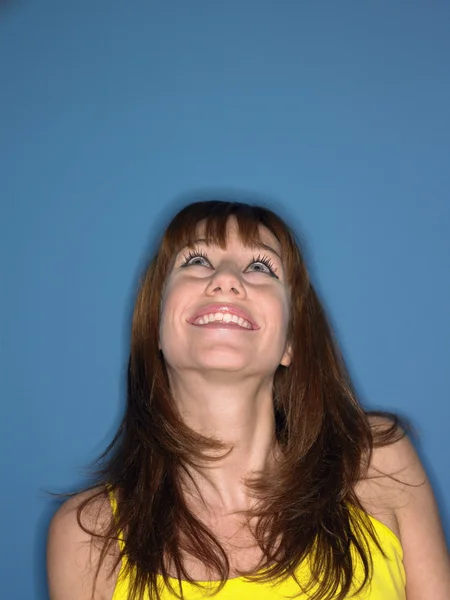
x=223 y=317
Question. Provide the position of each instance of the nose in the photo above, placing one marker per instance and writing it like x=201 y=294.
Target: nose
x=226 y=280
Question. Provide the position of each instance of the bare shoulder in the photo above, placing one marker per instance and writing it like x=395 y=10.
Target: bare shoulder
x=397 y=461
x=96 y=515
x=398 y=492
x=73 y=551
x=379 y=490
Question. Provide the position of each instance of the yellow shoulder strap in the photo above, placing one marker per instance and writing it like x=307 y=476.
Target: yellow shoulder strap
x=115 y=512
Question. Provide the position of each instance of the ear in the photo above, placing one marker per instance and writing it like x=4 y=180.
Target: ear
x=286 y=359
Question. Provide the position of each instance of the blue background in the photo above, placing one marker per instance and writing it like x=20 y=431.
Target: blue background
x=114 y=114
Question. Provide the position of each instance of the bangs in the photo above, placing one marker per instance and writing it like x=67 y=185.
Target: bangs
x=213 y=217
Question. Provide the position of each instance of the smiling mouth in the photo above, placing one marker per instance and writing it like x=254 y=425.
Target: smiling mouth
x=219 y=318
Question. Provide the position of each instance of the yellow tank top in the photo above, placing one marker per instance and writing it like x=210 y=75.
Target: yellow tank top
x=388 y=581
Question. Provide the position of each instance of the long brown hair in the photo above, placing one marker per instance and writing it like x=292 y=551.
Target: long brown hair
x=302 y=508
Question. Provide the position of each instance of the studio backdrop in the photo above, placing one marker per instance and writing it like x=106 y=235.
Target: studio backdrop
x=114 y=114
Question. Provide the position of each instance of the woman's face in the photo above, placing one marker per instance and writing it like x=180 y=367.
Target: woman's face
x=226 y=310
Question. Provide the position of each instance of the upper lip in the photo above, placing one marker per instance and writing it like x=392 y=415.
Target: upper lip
x=231 y=309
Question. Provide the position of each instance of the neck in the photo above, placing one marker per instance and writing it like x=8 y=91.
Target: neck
x=239 y=413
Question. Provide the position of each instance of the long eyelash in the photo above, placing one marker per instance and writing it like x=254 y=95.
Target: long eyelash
x=265 y=260
x=261 y=258
x=194 y=253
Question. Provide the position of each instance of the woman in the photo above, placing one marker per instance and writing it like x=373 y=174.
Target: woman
x=244 y=464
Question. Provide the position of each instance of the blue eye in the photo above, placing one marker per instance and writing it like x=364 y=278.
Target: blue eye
x=263 y=264
x=259 y=267
x=196 y=259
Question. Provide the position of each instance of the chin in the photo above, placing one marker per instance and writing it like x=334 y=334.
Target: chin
x=221 y=365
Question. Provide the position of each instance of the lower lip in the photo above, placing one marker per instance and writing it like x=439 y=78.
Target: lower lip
x=222 y=326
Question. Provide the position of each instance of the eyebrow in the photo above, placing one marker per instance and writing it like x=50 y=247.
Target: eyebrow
x=255 y=246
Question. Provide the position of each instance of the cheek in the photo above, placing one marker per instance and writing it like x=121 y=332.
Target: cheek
x=164 y=313
x=173 y=307
x=167 y=335
x=281 y=325
x=281 y=308
x=165 y=321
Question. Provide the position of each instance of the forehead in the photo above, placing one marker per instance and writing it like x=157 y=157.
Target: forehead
x=234 y=232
